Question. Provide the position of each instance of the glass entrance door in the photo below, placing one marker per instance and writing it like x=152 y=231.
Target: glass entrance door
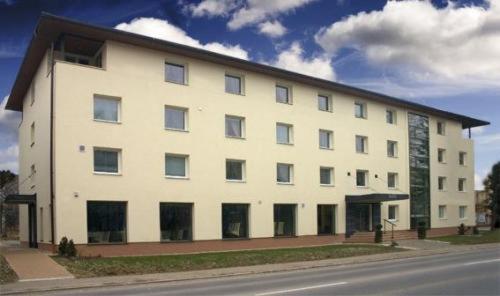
x=326 y=219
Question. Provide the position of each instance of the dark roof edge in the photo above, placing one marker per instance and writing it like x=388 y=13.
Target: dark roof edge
x=27 y=70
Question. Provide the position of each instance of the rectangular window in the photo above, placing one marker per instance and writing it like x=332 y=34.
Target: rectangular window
x=283 y=94
x=283 y=133
x=176 y=118
x=393 y=212
x=326 y=219
x=32 y=134
x=175 y=73
x=234 y=221
x=284 y=219
x=284 y=173
x=235 y=170
x=360 y=110
x=326 y=176
x=176 y=221
x=361 y=144
x=390 y=116
x=462 y=212
x=106 y=160
x=324 y=103
x=392 y=180
x=462 y=157
x=461 y=184
x=441 y=155
x=235 y=126
x=106 y=222
x=233 y=84
x=442 y=183
x=325 y=139
x=32 y=173
x=106 y=108
x=441 y=128
x=176 y=165
x=361 y=178
x=392 y=148
x=442 y=212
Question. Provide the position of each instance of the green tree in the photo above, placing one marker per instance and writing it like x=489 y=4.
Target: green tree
x=492 y=187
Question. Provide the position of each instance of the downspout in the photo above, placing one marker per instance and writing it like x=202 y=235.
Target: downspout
x=52 y=144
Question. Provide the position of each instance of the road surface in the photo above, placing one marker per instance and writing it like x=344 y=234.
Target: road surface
x=471 y=273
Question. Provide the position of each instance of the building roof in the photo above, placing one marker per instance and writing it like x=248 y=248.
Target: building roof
x=50 y=27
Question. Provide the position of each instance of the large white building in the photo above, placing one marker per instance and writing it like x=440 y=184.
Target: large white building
x=128 y=142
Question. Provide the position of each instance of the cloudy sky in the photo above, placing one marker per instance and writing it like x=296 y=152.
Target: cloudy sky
x=445 y=54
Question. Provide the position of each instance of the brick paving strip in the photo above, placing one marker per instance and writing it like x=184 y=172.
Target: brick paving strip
x=79 y=283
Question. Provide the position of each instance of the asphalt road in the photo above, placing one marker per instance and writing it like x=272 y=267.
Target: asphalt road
x=472 y=273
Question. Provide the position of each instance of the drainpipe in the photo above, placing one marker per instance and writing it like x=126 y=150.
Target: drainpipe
x=52 y=144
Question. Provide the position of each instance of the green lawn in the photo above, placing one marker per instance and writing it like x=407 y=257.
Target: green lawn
x=84 y=267
x=484 y=237
x=7 y=275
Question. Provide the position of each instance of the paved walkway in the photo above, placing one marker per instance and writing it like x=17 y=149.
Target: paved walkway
x=109 y=281
x=422 y=244
x=32 y=264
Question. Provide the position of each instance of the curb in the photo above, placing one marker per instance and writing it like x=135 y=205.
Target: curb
x=128 y=280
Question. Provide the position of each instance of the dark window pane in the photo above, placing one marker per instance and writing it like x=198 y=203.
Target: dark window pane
x=106 y=222
x=175 y=166
x=326 y=219
x=389 y=115
x=323 y=103
x=174 y=73
x=324 y=139
x=233 y=84
x=325 y=176
x=284 y=220
x=234 y=170
x=175 y=118
x=176 y=221
x=234 y=221
x=360 y=178
x=105 y=161
x=360 y=144
x=283 y=173
x=233 y=127
x=359 y=110
x=282 y=94
x=392 y=213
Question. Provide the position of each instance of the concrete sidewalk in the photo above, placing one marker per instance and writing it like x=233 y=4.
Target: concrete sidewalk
x=52 y=285
x=32 y=264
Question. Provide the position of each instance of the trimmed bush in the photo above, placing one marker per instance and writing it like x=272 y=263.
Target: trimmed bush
x=70 y=249
x=475 y=230
x=63 y=246
x=422 y=230
x=461 y=229
x=378 y=233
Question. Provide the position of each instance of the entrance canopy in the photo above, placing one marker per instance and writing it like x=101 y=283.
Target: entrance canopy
x=21 y=199
x=375 y=198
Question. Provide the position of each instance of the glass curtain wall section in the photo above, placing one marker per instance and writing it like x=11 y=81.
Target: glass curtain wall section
x=418 y=129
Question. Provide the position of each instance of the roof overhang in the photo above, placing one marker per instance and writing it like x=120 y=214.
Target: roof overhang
x=50 y=27
x=375 y=197
x=20 y=199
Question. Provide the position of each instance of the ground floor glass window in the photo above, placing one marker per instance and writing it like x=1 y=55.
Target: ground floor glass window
x=106 y=222
x=284 y=219
x=326 y=219
x=176 y=221
x=234 y=221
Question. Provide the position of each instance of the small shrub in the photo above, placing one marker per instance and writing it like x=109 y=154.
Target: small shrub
x=394 y=244
x=378 y=233
x=63 y=246
x=422 y=230
x=70 y=249
x=475 y=230
x=461 y=229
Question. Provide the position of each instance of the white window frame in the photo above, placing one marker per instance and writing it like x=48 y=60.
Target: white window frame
x=464 y=154
x=175 y=63
x=396 y=212
x=289 y=92
x=242 y=126
x=290 y=170
x=290 y=133
x=330 y=139
x=328 y=100
x=332 y=177
x=242 y=83
x=243 y=170
x=464 y=217
x=395 y=143
x=118 y=108
x=119 y=161
x=443 y=128
x=186 y=119
x=444 y=188
x=365 y=144
x=441 y=152
x=186 y=166
x=394 y=116
x=444 y=216
x=396 y=181
x=364 y=110
x=366 y=172
x=462 y=181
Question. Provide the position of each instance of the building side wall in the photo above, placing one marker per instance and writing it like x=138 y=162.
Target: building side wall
x=37 y=154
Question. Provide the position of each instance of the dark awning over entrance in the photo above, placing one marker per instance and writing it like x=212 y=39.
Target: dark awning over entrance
x=375 y=197
x=21 y=199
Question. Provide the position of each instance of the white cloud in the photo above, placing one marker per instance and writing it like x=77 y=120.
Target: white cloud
x=478 y=182
x=256 y=11
x=490 y=139
x=9 y=122
x=162 y=29
x=8 y=158
x=272 y=29
x=211 y=8
x=293 y=59
x=460 y=44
